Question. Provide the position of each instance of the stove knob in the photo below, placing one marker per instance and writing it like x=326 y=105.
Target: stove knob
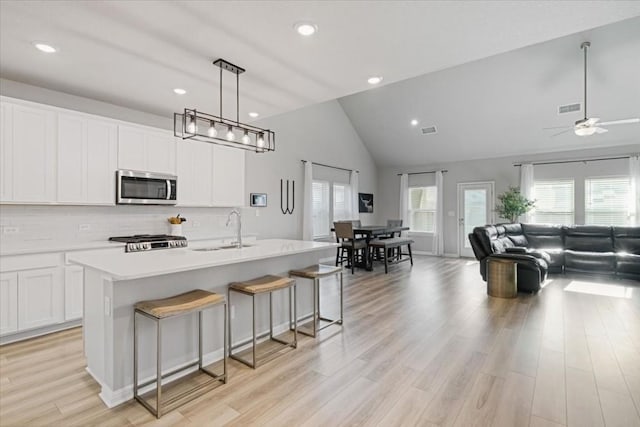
x=183 y=243
x=130 y=247
x=138 y=246
x=172 y=244
x=147 y=246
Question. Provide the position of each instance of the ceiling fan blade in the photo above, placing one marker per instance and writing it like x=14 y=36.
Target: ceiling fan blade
x=559 y=127
x=564 y=131
x=620 y=122
x=601 y=130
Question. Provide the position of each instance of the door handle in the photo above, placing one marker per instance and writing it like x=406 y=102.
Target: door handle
x=461 y=221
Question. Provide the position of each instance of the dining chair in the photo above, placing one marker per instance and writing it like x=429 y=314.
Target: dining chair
x=393 y=223
x=349 y=245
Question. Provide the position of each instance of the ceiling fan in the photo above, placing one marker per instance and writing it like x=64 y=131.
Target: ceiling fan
x=590 y=125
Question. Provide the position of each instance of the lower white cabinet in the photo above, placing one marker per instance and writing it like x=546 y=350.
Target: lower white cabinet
x=73 y=283
x=40 y=297
x=8 y=303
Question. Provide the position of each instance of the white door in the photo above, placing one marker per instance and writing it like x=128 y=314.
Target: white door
x=475 y=208
x=40 y=297
x=8 y=303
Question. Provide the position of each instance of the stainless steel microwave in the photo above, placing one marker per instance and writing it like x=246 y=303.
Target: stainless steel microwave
x=145 y=188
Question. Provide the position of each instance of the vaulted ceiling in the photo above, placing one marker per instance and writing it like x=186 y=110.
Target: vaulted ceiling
x=134 y=53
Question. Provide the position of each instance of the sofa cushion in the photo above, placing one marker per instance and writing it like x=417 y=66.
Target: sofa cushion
x=512 y=229
x=627 y=239
x=600 y=262
x=628 y=264
x=543 y=236
x=588 y=238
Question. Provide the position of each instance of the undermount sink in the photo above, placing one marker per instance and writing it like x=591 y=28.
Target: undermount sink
x=217 y=248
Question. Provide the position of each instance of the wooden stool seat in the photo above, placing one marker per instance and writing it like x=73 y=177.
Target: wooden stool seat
x=262 y=284
x=179 y=304
x=316 y=271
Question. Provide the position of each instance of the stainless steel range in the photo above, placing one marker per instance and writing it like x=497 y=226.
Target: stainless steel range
x=150 y=242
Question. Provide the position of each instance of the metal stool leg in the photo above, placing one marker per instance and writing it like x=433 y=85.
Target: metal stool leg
x=225 y=345
x=253 y=304
x=159 y=370
x=135 y=356
x=341 y=300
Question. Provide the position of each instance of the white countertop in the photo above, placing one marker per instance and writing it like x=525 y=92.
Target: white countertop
x=128 y=266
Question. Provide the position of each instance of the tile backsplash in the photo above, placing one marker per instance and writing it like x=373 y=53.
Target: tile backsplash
x=23 y=225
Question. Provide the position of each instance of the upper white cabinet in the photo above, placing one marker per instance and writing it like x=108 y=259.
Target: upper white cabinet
x=195 y=173
x=87 y=151
x=144 y=149
x=228 y=176
x=28 y=154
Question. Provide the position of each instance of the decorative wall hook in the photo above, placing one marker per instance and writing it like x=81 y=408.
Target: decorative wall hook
x=288 y=210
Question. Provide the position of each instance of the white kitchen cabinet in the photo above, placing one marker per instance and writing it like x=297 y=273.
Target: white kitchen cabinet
x=30 y=149
x=6 y=152
x=228 y=176
x=144 y=149
x=40 y=297
x=86 y=160
x=8 y=303
x=73 y=283
x=195 y=164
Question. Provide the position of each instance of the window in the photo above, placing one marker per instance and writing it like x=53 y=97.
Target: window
x=554 y=202
x=606 y=201
x=422 y=209
x=342 y=202
x=320 y=200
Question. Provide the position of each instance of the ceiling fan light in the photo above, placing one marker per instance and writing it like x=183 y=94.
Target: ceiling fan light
x=585 y=131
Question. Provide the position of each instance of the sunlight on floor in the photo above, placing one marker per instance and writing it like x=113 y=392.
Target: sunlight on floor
x=602 y=289
x=471 y=263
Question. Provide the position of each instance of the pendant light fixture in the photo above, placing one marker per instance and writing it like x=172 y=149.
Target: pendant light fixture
x=199 y=126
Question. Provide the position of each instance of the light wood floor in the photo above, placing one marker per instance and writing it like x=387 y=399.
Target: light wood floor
x=420 y=346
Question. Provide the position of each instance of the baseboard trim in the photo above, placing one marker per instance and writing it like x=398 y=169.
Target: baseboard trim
x=451 y=255
x=421 y=253
x=33 y=333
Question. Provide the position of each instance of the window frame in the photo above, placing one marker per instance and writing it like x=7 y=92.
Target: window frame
x=573 y=200
x=410 y=211
x=628 y=198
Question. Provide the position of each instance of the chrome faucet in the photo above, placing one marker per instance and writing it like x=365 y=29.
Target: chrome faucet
x=236 y=211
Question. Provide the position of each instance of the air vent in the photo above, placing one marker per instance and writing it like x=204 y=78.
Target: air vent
x=428 y=130
x=569 y=108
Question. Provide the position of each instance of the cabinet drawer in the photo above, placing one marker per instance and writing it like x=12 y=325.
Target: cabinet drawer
x=27 y=262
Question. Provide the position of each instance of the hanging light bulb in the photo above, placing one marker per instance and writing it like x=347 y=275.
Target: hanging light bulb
x=260 y=141
x=230 y=135
x=245 y=137
x=191 y=127
x=212 y=132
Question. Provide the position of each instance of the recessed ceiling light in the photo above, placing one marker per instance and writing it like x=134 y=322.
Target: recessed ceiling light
x=374 y=80
x=43 y=47
x=306 y=28
x=414 y=122
x=179 y=91
x=253 y=114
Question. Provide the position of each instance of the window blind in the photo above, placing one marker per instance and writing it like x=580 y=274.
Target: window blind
x=422 y=208
x=342 y=202
x=607 y=201
x=320 y=207
x=554 y=202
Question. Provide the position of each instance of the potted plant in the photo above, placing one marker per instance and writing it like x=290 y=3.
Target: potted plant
x=512 y=204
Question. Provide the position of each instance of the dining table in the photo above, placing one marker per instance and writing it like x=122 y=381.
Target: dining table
x=370 y=232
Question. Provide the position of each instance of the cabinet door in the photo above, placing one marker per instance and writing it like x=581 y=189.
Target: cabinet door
x=73 y=288
x=131 y=148
x=6 y=152
x=161 y=152
x=40 y=297
x=72 y=163
x=228 y=176
x=8 y=303
x=101 y=160
x=33 y=155
x=195 y=163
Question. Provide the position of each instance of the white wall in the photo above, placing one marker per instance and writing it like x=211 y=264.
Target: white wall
x=320 y=133
x=504 y=174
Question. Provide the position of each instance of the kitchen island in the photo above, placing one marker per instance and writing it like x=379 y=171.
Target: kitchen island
x=114 y=282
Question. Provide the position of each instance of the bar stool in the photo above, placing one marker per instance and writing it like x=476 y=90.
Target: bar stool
x=317 y=272
x=265 y=284
x=159 y=311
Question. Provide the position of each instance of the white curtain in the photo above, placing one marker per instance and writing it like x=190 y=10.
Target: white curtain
x=403 y=212
x=526 y=188
x=634 y=205
x=353 y=183
x=307 y=208
x=438 y=234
